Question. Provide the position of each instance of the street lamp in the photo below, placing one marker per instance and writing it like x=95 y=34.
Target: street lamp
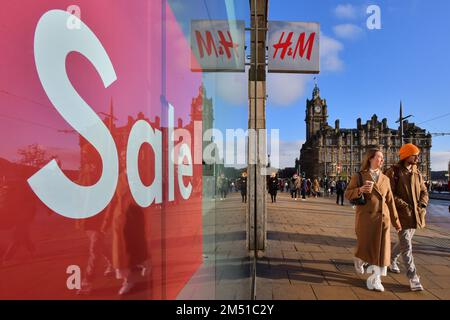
x=400 y=120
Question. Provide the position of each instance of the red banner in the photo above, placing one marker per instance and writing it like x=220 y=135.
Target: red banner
x=99 y=193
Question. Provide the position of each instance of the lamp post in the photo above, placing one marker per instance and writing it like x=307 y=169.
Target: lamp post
x=400 y=120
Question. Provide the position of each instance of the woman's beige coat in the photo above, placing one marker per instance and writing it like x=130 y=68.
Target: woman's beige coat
x=372 y=223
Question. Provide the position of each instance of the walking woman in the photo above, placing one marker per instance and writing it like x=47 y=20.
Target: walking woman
x=273 y=186
x=243 y=186
x=316 y=187
x=373 y=219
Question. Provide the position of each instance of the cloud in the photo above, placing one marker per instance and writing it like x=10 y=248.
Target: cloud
x=289 y=150
x=329 y=54
x=231 y=87
x=347 y=31
x=285 y=89
x=439 y=160
x=345 y=11
x=282 y=89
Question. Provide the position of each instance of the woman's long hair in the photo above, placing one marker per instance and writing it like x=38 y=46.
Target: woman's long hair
x=370 y=154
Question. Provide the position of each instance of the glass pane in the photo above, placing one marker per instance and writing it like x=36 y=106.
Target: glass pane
x=104 y=191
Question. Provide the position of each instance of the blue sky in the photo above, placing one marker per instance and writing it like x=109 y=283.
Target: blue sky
x=362 y=71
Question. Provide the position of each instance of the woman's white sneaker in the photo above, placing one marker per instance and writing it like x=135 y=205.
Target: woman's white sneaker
x=377 y=286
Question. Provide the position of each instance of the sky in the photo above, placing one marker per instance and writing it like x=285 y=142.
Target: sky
x=363 y=72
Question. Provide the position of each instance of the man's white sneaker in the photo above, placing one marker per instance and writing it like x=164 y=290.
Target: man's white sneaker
x=394 y=268
x=359 y=265
x=415 y=285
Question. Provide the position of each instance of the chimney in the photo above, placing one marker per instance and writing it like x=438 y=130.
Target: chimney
x=336 y=124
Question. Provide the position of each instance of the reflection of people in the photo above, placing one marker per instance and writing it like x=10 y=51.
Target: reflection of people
x=273 y=186
x=129 y=239
x=372 y=222
x=94 y=228
x=411 y=200
x=243 y=186
x=222 y=186
x=18 y=209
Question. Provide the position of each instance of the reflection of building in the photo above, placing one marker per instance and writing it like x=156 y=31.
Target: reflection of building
x=119 y=134
x=334 y=151
x=202 y=111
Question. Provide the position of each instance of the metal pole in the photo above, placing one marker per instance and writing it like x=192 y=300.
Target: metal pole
x=255 y=253
x=401 y=131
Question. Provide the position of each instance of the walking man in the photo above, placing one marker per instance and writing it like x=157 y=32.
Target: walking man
x=340 y=190
x=243 y=186
x=411 y=200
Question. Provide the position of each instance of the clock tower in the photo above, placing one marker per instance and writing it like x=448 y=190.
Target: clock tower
x=316 y=113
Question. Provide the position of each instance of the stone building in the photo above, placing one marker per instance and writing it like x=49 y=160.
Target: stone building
x=334 y=151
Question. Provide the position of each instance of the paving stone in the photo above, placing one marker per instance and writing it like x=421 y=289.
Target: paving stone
x=333 y=293
x=293 y=292
x=438 y=270
x=366 y=294
x=409 y=295
x=296 y=278
x=308 y=248
x=442 y=281
x=442 y=294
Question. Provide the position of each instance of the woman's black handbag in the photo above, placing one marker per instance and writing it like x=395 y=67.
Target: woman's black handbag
x=361 y=200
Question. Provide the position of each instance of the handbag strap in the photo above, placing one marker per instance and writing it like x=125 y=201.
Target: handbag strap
x=360 y=179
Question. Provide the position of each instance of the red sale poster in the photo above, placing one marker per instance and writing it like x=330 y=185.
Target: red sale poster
x=100 y=189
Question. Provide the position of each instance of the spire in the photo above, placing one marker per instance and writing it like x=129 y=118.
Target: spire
x=401 y=109
x=401 y=122
x=316 y=91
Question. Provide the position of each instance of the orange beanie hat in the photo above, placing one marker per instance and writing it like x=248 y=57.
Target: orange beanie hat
x=408 y=150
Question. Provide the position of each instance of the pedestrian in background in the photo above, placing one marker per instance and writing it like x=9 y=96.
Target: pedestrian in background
x=296 y=182
x=297 y=185
x=308 y=187
x=316 y=188
x=373 y=219
x=411 y=200
x=273 y=186
x=292 y=187
x=340 y=189
x=332 y=186
x=243 y=186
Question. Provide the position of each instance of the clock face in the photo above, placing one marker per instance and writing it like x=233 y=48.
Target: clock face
x=317 y=108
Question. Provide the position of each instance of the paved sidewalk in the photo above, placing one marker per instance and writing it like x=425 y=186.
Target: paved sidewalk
x=310 y=251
